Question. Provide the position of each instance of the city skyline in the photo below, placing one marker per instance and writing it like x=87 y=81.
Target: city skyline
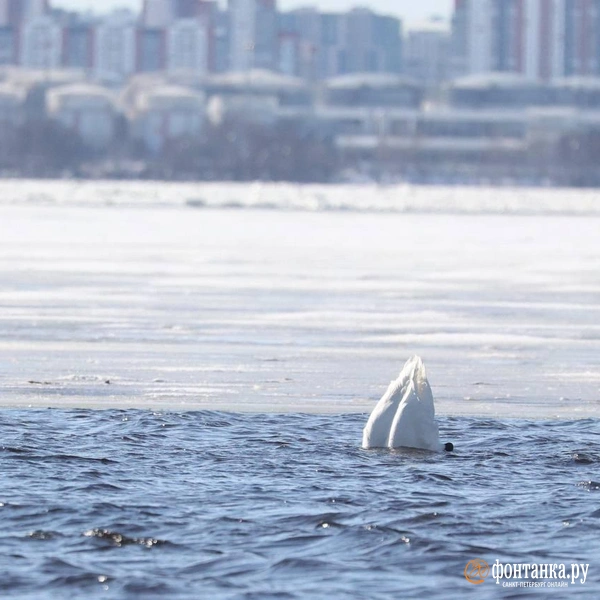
x=408 y=10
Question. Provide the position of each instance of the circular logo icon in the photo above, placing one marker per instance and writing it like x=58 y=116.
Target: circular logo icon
x=476 y=571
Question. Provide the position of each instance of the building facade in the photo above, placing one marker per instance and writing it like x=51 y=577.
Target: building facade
x=427 y=51
x=41 y=43
x=157 y=14
x=78 y=46
x=197 y=35
x=540 y=39
x=253 y=34
x=151 y=50
x=186 y=46
x=164 y=113
x=88 y=110
x=331 y=44
x=115 y=47
x=8 y=45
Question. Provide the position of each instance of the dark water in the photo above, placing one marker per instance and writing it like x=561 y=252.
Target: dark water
x=133 y=504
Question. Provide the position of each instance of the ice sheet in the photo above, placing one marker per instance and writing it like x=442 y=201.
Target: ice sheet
x=129 y=302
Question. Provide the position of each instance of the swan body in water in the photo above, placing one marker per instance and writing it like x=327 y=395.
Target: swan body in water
x=405 y=415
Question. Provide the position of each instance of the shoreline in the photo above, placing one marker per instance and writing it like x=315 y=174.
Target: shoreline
x=478 y=410
x=287 y=197
x=356 y=179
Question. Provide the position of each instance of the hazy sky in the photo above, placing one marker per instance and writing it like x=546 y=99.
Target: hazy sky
x=412 y=11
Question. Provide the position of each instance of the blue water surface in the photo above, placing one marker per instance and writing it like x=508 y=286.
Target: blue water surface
x=135 y=504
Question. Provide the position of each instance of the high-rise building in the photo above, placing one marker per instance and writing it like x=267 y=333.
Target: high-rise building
x=372 y=43
x=219 y=43
x=35 y=8
x=426 y=53
x=157 y=14
x=253 y=34
x=78 y=46
x=207 y=13
x=177 y=34
x=4 y=13
x=304 y=33
x=289 y=55
x=242 y=23
x=8 y=34
x=266 y=35
x=187 y=46
x=196 y=35
x=14 y=12
x=187 y=9
x=17 y=9
x=459 y=40
x=330 y=54
x=331 y=44
x=115 y=47
x=8 y=45
x=41 y=43
x=540 y=39
x=581 y=48
x=151 y=50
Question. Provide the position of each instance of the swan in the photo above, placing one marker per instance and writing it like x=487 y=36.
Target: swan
x=405 y=415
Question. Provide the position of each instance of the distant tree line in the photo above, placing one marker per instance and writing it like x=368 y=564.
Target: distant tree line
x=230 y=151
x=40 y=147
x=249 y=151
x=242 y=151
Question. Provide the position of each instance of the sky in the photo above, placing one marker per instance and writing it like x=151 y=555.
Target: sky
x=412 y=12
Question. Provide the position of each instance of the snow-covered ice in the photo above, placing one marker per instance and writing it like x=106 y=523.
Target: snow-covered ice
x=126 y=295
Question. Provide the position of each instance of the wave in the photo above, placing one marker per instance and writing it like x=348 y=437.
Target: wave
x=327 y=520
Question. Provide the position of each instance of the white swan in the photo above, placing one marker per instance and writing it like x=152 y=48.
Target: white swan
x=405 y=415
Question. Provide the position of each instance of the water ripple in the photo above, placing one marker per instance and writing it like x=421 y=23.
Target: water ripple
x=130 y=504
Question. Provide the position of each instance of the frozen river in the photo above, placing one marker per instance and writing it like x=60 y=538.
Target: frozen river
x=212 y=305
x=277 y=298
